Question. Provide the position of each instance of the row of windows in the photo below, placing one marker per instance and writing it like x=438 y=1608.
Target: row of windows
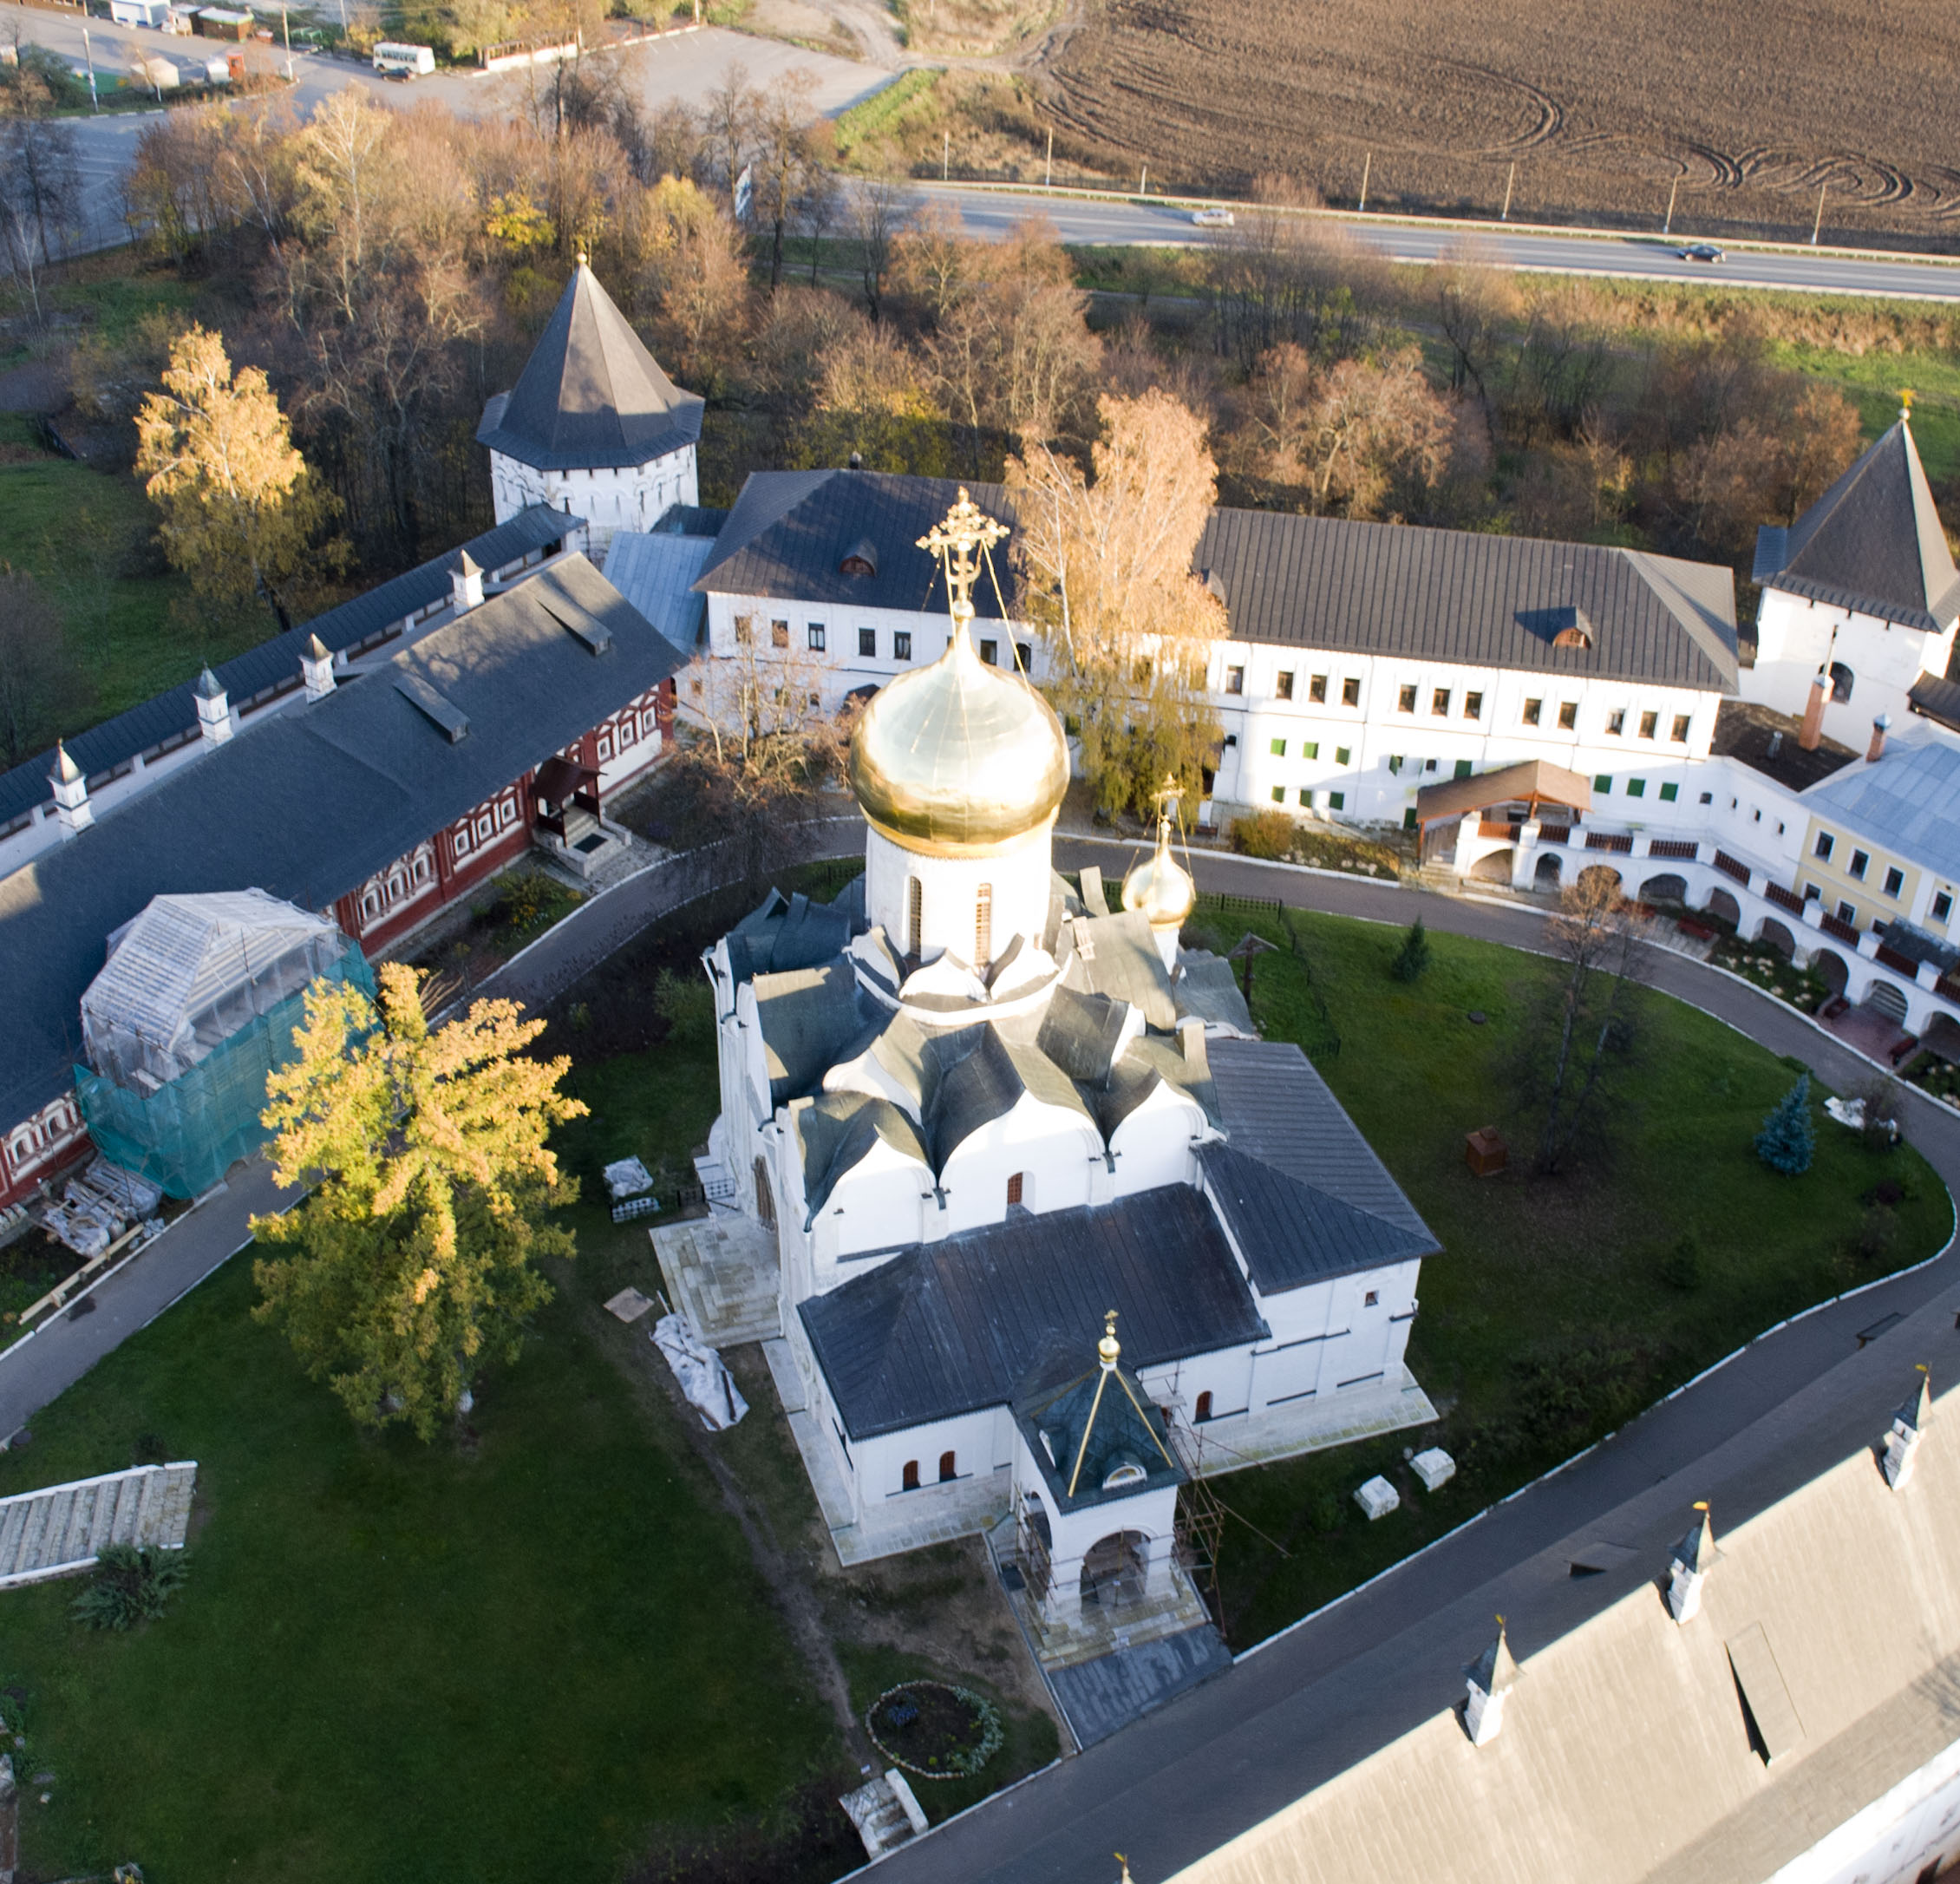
x=1283 y=686
x=1895 y=877
x=817 y=634
x=1309 y=749
x=949 y=1471
x=1329 y=800
x=1636 y=787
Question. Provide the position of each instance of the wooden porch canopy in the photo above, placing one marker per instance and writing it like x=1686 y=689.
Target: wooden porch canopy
x=1535 y=782
x=560 y=779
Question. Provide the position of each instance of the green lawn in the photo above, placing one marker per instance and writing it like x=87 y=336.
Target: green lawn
x=83 y=535
x=1546 y=1320
x=394 y=1661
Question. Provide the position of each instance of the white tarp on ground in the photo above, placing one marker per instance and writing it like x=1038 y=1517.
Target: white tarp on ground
x=629 y=1178
x=699 y=1370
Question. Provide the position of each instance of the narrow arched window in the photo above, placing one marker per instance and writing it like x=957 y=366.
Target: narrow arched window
x=949 y=1469
x=909 y=1481
x=983 y=926
x=1017 y=1186
x=1203 y=1407
x=915 y=912
x=1842 y=681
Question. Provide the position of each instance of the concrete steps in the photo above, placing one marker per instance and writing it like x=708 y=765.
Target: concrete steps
x=57 y=1531
x=886 y=1811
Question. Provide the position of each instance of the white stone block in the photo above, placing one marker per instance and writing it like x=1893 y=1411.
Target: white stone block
x=1434 y=1468
x=1377 y=1498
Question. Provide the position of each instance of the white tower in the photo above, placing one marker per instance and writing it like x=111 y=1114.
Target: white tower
x=593 y=427
x=959 y=768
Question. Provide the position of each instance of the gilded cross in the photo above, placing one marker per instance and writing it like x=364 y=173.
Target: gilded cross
x=967 y=532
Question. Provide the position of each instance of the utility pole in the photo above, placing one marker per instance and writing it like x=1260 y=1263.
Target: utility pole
x=1817 y=227
x=1360 y=208
x=87 y=53
x=286 y=29
x=1667 y=227
x=945 y=156
x=1143 y=181
x=1050 y=184
x=1504 y=215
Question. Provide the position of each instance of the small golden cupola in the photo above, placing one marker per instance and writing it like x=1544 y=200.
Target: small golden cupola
x=1160 y=887
x=959 y=758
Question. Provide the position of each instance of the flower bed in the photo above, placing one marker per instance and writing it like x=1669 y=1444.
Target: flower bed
x=1758 y=962
x=934 y=1730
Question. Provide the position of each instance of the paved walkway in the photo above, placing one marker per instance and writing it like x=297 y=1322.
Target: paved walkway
x=63 y=1350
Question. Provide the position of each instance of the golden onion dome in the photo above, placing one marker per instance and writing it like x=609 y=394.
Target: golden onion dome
x=959 y=756
x=1160 y=887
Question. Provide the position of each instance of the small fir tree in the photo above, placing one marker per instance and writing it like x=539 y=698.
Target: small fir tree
x=1784 y=1143
x=1413 y=957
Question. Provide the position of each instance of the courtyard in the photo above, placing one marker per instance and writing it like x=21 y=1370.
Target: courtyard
x=582 y=1638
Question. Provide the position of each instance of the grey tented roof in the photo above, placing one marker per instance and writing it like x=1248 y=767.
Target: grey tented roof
x=1469 y=598
x=837 y=1130
x=311 y=802
x=190 y=970
x=790 y=530
x=1100 y=1422
x=944 y=1328
x=1873 y=543
x=591 y=396
x=275 y=663
x=1279 y=1111
x=1908 y=802
x=1292 y=1232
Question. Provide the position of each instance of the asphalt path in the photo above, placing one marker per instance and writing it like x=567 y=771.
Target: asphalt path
x=1310 y=1703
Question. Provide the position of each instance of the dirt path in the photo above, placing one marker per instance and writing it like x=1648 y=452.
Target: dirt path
x=651 y=1382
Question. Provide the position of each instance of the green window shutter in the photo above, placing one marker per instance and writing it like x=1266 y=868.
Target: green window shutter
x=1279 y=794
x=1309 y=749
x=1279 y=748
x=1340 y=754
x=1670 y=792
x=1636 y=787
x=1306 y=801
x=1336 y=800
x=1603 y=783
x=1463 y=768
x=1408 y=819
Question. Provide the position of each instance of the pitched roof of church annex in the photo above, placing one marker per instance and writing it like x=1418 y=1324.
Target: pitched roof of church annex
x=310 y=803
x=1873 y=542
x=591 y=396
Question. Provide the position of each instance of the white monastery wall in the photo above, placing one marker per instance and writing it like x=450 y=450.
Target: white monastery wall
x=1795 y=637
x=634 y=497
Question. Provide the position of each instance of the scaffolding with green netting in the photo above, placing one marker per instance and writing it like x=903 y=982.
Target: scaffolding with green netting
x=196 y=1007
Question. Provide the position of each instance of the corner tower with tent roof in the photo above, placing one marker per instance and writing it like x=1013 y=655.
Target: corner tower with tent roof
x=1860 y=596
x=593 y=427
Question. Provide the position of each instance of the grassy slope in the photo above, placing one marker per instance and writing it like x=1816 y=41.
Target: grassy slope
x=1562 y=1273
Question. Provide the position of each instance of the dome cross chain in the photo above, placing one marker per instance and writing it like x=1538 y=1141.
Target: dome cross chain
x=966 y=534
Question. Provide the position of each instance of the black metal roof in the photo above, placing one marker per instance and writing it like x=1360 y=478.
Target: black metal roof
x=1473 y=600
x=274 y=664
x=1873 y=543
x=790 y=531
x=1937 y=700
x=311 y=802
x=1310 y=582
x=1279 y=1111
x=1772 y=743
x=946 y=1328
x=591 y=396
x=1100 y=1423
x=1292 y=1234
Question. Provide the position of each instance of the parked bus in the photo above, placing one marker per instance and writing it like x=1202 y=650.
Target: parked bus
x=411 y=61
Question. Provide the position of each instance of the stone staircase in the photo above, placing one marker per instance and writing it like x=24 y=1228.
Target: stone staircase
x=886 y=1811
x=56 y=1532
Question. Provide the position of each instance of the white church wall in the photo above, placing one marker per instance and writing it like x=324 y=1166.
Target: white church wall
x=1795 y=637
x=1153 y=1145
x=880 y=1204
x=1048 y=1147
x=1211 y=1387
x=1016 y=878
x=1910 y=1832
x=1351 y=1331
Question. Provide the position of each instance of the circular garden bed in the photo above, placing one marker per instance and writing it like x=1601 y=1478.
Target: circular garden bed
x=934 y=1730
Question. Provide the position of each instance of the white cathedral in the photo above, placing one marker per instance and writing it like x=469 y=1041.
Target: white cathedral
x=976 y=1114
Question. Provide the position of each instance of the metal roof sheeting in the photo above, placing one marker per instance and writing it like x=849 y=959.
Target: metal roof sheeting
x=1907 y=803
x=275 y=663
x=308 y=803
x=655 y=572
x=945 y=1328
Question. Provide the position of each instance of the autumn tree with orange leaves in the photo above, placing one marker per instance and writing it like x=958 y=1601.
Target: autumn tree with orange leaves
x=413 y=1262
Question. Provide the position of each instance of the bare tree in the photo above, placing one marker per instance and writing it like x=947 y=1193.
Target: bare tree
x=877 y=217
x=40 y=683
x=729 y=117
x=1584 y=1027
x=40 y=200
x=784 y=160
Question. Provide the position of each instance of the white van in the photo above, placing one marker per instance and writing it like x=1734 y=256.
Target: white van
x=411 y=61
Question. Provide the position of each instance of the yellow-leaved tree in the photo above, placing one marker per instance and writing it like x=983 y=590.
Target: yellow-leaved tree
x=1106 y=575
x=243 y=516
x=412 y=1261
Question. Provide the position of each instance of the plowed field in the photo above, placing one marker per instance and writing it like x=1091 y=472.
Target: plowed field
x=1751 y=108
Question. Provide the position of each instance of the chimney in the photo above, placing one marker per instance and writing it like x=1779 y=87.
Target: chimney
x=71 y=793
x=1776 y=744
x=1489 y=1679
x=317 y=666
x=1876 y=750
x=1902 y=1443
x=466 y=585
x=1694 y=1556
x=1813 y=714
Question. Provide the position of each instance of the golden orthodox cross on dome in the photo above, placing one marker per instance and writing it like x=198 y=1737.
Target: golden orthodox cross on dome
x=967 y=535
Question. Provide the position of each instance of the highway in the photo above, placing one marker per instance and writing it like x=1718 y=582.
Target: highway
x=687 y=66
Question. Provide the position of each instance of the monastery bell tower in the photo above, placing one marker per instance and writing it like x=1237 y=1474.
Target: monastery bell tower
x=959 y=768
